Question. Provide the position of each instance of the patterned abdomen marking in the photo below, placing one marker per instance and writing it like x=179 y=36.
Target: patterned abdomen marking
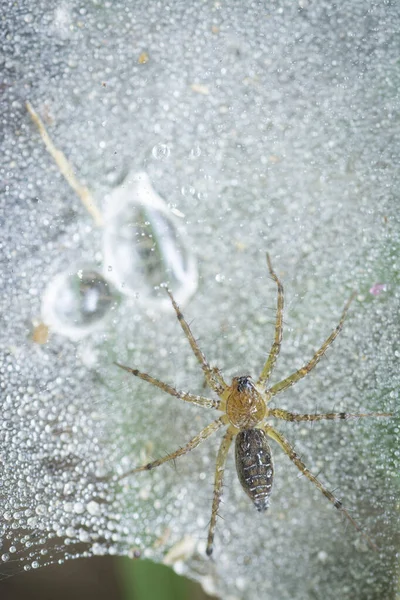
x=254 y=466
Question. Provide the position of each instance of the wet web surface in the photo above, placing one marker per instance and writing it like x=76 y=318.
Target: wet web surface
x=207 y=135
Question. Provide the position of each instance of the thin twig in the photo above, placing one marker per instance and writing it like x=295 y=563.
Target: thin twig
x=66 y=168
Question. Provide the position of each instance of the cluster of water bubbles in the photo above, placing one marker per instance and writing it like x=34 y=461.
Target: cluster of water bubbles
x=55 y=498
x=58 y=484
x=143 y=247
x=274 y=129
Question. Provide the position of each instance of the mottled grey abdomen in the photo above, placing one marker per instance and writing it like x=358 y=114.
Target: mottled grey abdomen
x=254 y=466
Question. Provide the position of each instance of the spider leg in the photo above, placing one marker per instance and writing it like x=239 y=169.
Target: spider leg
x=213 y=375
x=285 y=383
x=199 y=400
x=276 y=346
x=278 y=413
x=219 y=474
x=194 y=442
x=294 y=457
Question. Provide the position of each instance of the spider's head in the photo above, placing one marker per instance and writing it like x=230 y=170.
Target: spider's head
x=245 y=406
x=243 y=383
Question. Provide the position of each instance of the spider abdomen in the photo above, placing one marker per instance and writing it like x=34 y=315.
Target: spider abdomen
x=254 y=466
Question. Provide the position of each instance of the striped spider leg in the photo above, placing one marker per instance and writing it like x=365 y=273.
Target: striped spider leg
x=245 y=414
x=289 y=416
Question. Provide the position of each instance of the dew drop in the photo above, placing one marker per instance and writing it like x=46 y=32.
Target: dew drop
x=93 y=508
x=188 y=190
x=99 y=549
x=68 y=488
x=378 y=288
x=322 y=556
x=41 y=509
x=144 y=246
x=84 y=536
x=79 y=508
x=195 y=152
x=161 y=151
x=76 y=303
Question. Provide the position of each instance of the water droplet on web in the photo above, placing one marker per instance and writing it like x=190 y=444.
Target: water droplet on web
x=93 y=508
x=195 y=152
x=145 y=246
x=161 y=151
x=68 y=488
x=188 y=190
x=79 y=508
x=84 y=536
x=378 y=288
x=41 y=509
x=75 y=303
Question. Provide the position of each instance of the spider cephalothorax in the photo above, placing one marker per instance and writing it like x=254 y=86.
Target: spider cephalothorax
x=246 y=416
x=245 y=406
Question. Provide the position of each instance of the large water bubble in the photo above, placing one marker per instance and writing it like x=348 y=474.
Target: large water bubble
x=77 y=301
x=143 y=245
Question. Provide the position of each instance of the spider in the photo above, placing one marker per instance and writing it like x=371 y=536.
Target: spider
x=246 y=414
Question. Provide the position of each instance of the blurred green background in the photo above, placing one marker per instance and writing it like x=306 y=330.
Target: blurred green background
x=103 y=578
